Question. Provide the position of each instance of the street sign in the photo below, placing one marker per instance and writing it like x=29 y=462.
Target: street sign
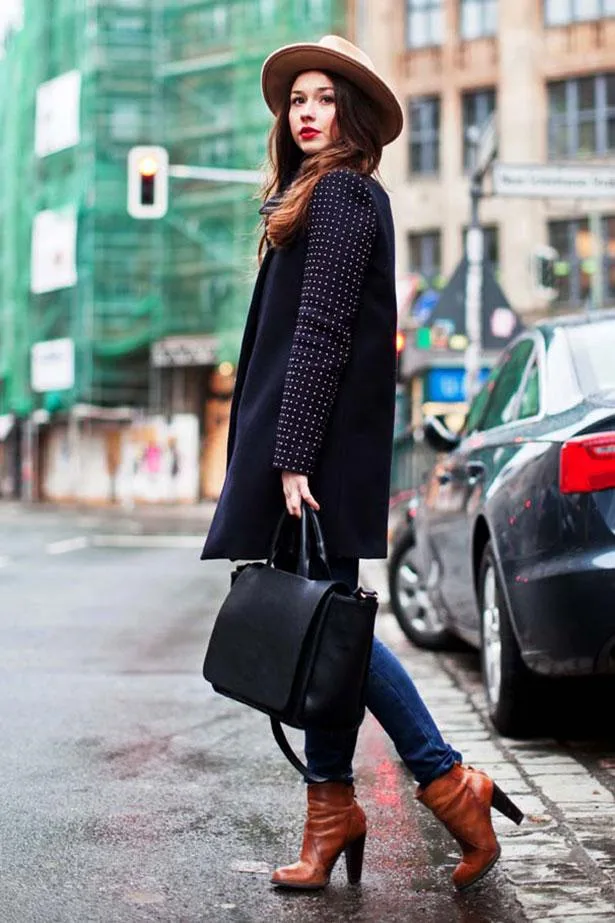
x=448 y=385
x=185 y=350
x=545 y=182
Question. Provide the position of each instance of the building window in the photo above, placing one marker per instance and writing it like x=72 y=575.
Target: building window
x=478 y=18
x=576 y=265
x=477 y=107
x=423 y=23
x=491 y=247
x=424 y=255
x=582 y=117
x=561 y=12
x=425 y=134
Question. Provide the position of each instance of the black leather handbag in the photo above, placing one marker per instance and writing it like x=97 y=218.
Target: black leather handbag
x=294 y=644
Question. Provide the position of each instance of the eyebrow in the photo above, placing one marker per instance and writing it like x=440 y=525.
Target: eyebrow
x=318 y=89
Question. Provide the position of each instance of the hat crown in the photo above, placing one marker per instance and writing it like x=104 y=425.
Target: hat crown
x=336 y=55
x=343 y=46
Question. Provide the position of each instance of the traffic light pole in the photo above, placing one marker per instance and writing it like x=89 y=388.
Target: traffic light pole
x=216 y=174
x=483 y=144
x=149 y=171
x=483 y=150
x=474 y=289
x=596 y=300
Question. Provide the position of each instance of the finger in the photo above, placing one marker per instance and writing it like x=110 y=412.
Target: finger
x=293 y=503
x=310 y=500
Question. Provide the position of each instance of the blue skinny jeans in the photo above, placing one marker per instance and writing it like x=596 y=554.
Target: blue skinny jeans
x=394 y=701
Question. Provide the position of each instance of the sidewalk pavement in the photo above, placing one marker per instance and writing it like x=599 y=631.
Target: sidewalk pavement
x=373 y=576
x=202 y=511
x=561 y=860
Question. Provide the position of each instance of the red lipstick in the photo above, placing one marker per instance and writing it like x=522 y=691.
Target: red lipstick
x=309 y=133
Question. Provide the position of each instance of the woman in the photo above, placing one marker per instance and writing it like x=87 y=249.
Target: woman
x=312 y=422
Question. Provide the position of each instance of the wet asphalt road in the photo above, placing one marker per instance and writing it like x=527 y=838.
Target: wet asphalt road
x=129 y=791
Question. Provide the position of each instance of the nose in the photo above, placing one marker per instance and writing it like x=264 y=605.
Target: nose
x=307 y=114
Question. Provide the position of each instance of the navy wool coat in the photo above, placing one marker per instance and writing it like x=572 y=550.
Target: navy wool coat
x=315 y=388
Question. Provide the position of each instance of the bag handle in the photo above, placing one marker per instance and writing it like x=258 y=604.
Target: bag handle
x=321 y=551
x=311 y=542
x=291 y=756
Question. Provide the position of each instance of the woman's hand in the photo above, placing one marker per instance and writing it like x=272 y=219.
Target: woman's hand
x=296 y=489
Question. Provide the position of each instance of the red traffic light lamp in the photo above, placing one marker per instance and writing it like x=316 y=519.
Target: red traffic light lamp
x=148 y=182
x=148 y=166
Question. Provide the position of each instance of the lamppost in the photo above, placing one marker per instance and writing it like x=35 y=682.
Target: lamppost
x=482 y=143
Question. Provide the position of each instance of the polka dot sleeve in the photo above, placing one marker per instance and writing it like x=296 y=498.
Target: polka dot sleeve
x=340 y=235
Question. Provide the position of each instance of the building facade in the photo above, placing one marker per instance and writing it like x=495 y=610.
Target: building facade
x=548 y=69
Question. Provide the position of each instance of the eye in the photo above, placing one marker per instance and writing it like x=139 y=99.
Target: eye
x=328 y=99
x=295 y=100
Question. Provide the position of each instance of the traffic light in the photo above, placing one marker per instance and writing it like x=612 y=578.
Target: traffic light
x=544 y=261
x=148 y=182
x=400 y=345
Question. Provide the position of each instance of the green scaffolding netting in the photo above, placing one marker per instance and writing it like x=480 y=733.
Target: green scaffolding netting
x=180 y=73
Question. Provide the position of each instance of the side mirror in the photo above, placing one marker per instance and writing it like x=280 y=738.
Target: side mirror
x=439 y=436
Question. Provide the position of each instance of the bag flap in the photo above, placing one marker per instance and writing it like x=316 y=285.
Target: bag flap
x=259 y=635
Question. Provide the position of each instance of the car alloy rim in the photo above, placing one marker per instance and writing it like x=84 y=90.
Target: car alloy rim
x=414 y=598
x=492 y=641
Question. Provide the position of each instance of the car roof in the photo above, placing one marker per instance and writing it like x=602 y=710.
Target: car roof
x=549 y=325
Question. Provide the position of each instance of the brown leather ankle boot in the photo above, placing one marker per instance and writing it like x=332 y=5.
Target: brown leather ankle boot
x=462 y=800
x=335 y=824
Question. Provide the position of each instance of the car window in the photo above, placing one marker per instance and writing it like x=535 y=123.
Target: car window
x=502 y=403
x=562 y=390
x=592 y=354
x=529 y=404
x=479 y=404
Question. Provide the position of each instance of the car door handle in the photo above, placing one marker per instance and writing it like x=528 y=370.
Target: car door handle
x=475 y=471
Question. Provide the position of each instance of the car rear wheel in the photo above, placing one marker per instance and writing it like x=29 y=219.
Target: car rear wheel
x=509 y=685
x=418 y=618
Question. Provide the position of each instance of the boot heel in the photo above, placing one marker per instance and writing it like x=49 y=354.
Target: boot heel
x=354 y=860
x=505 y=806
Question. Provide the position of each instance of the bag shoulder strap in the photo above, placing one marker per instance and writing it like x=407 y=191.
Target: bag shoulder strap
x=291 y=756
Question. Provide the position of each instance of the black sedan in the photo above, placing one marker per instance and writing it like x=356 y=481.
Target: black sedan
x=514 y=531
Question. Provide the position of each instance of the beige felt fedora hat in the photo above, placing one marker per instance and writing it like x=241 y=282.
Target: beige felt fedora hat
x=338 y=56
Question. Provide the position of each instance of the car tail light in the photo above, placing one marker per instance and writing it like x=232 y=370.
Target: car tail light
x=587 y=463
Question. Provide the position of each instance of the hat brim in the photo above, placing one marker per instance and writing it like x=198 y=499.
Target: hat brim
x=281 y=67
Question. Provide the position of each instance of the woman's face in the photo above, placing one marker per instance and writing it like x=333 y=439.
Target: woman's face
x=312 y=112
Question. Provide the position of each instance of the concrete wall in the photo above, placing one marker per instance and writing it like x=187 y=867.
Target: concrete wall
x=153 y=461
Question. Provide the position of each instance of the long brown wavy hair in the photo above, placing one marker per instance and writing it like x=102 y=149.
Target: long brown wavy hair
x=293 y=176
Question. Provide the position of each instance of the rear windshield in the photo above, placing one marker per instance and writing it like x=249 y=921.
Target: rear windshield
x=593 y=354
